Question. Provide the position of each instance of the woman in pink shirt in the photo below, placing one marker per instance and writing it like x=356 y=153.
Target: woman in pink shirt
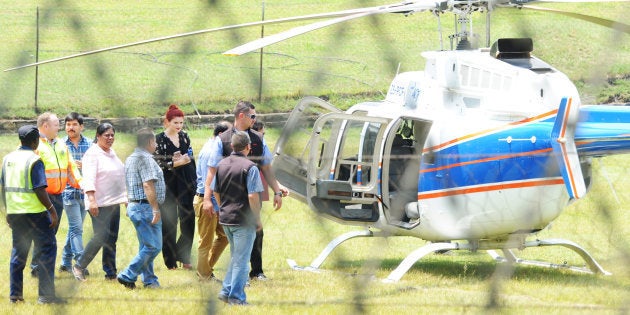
x=104 y=186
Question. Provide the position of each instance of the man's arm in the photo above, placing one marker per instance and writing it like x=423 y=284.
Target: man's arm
x=277 y=188
x=207 y=206
x=149 y=191
x=42 y=195
x=255 y=205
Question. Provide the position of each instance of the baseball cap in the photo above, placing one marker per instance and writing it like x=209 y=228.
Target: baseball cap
x=26 y=130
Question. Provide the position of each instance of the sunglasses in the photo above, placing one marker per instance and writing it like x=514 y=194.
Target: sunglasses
x=252 y=116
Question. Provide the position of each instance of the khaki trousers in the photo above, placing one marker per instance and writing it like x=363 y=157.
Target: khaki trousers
x=210 y=249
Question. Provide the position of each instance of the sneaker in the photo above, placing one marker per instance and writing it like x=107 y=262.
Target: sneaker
x=51 y=300
x=63 y=268
x=78 y=272
x=213 y=278
x=259 y=277
x=222 y=298
x=153 y=285
x=237 y=302
x=187 y=266
x=128 y=284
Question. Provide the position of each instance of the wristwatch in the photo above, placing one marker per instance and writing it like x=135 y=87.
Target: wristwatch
x=278 y=194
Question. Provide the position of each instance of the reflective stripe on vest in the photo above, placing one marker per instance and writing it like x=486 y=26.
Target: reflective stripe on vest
x=56 y=158
x=19 y=195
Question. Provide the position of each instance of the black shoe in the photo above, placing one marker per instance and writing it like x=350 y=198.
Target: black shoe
x=110 y=277
x=129 y=285
x=51 y=300
x=63 y=268
x=15 y=300
x=259 y=277
x=79 y=273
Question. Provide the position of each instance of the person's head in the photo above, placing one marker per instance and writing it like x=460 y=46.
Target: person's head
x=240 y=142
x=29 y=136
x=221 y=127
x=259 y=126
x=146 y=139
x=105 y=136
x=48 y=125
x=244 y=115
x=174 y=119
x=74 y=125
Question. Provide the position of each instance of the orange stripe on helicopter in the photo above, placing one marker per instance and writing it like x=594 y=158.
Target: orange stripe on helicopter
x=478 y=189
x=565 y=156
x=477 y=134
x=494 y=158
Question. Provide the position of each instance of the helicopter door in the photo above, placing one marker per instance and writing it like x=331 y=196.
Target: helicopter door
x=343 y=172
x=291 y=154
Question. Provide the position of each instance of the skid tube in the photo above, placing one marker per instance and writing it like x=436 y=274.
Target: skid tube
x=314 y=266
x=593 y=266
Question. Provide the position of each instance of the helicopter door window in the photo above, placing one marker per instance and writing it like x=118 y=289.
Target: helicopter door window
x=357 y=153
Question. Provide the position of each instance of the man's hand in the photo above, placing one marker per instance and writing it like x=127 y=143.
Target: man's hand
x=156 y=216
x=54 y=220
x=207 y=207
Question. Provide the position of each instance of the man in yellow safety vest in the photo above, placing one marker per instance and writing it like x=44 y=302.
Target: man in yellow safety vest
x=58 y=163
x=31 y=216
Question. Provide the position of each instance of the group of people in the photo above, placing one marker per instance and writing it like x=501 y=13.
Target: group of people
x=161 y=185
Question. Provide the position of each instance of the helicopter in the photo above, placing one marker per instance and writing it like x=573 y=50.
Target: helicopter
x=479 y=151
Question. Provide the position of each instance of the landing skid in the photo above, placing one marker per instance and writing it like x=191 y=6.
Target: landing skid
x=314 y=266
x=491 y=247
x=593 y=266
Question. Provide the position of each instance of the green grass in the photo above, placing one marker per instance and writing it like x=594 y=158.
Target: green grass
x=447 y=284
x=349 y=63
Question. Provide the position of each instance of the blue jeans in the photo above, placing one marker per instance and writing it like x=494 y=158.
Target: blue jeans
x=27 y=228
x=73 y=249
x=57 y=201
x=105 y=227
x=241 y=240
x=150 y=241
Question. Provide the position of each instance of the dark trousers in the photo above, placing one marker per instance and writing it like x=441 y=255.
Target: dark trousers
x=57 y=201
x=27 y=228
x=256 y=258
x=177 y=208
x=105 y=227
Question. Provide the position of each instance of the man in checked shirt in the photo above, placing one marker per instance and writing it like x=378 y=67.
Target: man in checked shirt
x=146 y=191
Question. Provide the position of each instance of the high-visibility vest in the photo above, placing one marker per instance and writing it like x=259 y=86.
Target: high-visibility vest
x=18 y=188
x=59 y=165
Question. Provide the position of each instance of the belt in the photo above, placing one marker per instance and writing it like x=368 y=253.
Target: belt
x=199 y=195
x=139 y=201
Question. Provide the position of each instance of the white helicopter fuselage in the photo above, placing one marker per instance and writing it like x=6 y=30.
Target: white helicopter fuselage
x=474 y=147
x=473 y=97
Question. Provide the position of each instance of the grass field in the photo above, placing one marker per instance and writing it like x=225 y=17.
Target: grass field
x=351 y=62
x=447 y=284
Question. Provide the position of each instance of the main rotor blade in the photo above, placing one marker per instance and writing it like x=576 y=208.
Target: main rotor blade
x=269 y=40
x=211 y=30
x=593 y=19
